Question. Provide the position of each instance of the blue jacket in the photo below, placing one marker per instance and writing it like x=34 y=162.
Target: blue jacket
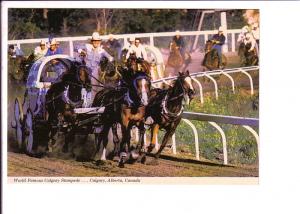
x=50 y=53
x=221 y=38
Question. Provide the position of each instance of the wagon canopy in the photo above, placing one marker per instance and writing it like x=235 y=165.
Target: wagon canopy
x=47 y=70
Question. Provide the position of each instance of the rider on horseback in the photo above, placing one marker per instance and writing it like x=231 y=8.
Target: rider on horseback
x=179 y=41
x=219 y=40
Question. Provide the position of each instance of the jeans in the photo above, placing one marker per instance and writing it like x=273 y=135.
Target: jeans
x=219 y=50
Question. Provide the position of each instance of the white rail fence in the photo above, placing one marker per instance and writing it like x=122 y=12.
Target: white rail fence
x=212 y=119
x=148 y=37
x=210 y=74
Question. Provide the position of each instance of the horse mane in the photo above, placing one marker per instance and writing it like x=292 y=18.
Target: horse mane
x=176 y=86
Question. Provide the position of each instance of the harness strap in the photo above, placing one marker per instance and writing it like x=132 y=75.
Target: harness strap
x=170 y=116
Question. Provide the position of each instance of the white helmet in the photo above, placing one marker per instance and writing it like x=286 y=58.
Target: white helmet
x=96 y=37
x=42 y=42
x=177 y=32
x=131 y=39
x=110 y=36
x=221 y=29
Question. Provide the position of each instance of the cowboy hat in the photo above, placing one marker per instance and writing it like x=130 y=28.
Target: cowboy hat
x=131 y=39
x=96 y=37
x=54 y=42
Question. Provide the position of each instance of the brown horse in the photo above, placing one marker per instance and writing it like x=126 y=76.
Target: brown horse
x=125 y=105
x=165 y=109
x=19 y=66
x=211 y=61
x=247 y=58
x=176 y=60
x=109 y=72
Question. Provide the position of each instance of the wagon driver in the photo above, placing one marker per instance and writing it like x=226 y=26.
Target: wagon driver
x=93 y=53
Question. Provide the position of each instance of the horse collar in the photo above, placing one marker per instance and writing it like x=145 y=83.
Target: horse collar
x=167 y=114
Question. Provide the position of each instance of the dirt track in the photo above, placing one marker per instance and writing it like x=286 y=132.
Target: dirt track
x=23 y=165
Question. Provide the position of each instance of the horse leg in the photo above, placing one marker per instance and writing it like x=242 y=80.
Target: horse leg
x=140 y=146
x=69 y=137
x=105 y=141
x=154 y=133
x=125 y=142
x=116 y=141
x=99 y=144
x=166 y=139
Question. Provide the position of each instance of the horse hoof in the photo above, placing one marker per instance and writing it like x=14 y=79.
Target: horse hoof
x=65 y=149
x=100 y=163
x=121 y=164
x=143 y=160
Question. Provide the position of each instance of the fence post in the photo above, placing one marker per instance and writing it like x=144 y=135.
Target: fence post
x=71 y=48
x=224 y=24
x=195 y=135
x=174 y=144
x=223 y=140
x=232 y=42
x=151 y=40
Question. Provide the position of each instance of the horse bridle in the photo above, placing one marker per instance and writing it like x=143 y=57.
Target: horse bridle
x=165 y=111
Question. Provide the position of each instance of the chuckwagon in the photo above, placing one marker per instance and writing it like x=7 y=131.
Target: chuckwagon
x=30 y=115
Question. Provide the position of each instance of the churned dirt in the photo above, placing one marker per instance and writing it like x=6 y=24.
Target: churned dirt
x=169 y=166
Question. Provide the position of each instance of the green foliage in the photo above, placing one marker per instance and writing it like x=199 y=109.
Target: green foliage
x=29 y=23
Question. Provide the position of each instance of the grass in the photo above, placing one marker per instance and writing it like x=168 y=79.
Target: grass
x=241 y=144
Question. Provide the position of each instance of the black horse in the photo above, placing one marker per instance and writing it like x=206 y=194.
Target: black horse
x=125 y=105
x=165 y=108
x=72 y=91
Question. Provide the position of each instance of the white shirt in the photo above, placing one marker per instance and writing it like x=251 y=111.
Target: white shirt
x=94 y=55
x=139 y=51
x=38 y=52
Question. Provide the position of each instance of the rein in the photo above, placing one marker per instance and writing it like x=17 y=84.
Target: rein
x=171 y=116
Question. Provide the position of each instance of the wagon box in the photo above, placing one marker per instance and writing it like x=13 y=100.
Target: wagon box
x=30 y=116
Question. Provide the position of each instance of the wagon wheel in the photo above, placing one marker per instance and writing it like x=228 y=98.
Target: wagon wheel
x=28 y=127
x=19 y=117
